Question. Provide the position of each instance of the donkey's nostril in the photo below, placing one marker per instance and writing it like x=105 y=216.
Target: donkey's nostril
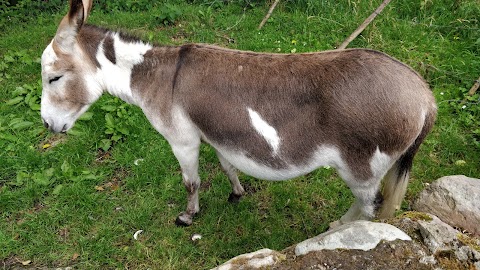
x=45 y=123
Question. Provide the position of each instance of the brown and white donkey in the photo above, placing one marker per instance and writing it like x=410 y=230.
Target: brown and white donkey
x=271 y=116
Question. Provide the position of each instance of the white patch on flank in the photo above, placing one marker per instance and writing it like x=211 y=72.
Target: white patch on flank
x=116 y=77
x=324 y=155
x=263 y=128
x=380 y=163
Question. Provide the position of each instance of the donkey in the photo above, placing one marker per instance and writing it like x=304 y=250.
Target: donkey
x=271 y=116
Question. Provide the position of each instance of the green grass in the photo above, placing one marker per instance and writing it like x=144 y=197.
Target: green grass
x=75 y=204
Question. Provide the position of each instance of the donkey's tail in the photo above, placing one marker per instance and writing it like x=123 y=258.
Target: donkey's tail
x=396 y=179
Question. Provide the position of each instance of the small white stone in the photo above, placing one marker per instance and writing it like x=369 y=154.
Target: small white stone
x=428 y=260
x=136 y=234
x=196 y=237
x=137 y=161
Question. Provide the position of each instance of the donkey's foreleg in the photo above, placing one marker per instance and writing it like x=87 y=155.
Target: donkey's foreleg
x=231 y=172
x=187 y=156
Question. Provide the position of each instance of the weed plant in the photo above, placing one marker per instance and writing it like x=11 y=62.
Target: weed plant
x=77 y=199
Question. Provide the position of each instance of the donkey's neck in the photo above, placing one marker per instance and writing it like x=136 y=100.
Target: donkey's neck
x=115 y=56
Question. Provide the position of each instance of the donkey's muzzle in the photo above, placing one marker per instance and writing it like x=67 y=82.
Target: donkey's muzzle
x=50 y=127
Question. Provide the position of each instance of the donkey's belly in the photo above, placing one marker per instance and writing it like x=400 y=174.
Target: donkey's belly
x=322 y=156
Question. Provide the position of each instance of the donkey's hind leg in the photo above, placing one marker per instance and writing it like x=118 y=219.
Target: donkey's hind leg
x=368 y=198
x=231 y=172
x=367 y=195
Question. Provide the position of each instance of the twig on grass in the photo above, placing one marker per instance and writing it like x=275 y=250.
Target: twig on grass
x=363 y=25
x=268 y=14
x=474 y=88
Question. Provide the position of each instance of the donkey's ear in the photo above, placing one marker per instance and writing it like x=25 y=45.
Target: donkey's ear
x=87 y=6
x=71 y=24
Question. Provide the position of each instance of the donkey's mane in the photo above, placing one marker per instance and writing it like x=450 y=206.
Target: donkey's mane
x=124 y=36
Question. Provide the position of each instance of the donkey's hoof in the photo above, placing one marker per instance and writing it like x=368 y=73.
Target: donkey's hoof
x=234 y=198
x=184 y=220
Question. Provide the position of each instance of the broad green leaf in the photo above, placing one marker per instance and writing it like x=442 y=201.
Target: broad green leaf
x=21 y=176
x=19 y=91
x=41 y=179
x=105 y=144
x=109 y=119
x=65 y=167
x=57 y=189
x=8 y=137
x=14 y=101
x=89 y=177
x=86 y=116
x=116 y=137
x=124 y=130
x=49 y=172
x=35 y=107
x=75 y=132
x=109 y=131
x=22 y=125
x=15 y=121
x=109 y=108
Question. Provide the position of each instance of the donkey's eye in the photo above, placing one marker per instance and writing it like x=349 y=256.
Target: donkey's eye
x=54 y=79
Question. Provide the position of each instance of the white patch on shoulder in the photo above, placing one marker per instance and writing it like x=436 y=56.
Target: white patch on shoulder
x=117 y=77
x=263 y=128
x=129 y=54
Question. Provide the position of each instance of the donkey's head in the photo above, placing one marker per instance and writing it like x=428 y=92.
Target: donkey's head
x=68 y=76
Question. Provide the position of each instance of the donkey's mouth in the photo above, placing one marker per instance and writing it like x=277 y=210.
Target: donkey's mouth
x=52 y=128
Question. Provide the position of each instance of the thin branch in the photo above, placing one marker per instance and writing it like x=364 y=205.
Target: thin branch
x=474 y=88
x=268 y=14
x=363 y=25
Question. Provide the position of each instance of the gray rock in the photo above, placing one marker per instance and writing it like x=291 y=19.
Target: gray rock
x=364 y=235
x=440 y=237
x=259 y=259
x=369 y=245
x=437 y=235
x=463 y=253
x=453 y=199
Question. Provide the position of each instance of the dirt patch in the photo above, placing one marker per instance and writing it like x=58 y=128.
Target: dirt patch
x=205 y=185
x=115 y=181
x=102 y=156
x=52 y=141
x=250 y=188
x=9 y=262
